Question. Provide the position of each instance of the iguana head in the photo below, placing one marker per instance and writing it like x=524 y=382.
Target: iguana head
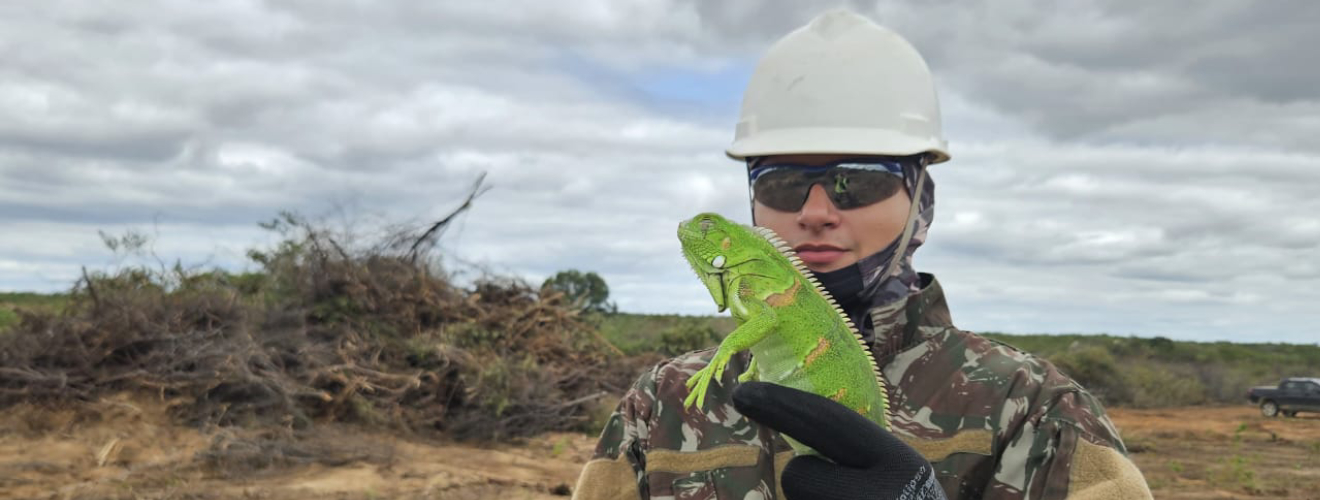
x=717 y=247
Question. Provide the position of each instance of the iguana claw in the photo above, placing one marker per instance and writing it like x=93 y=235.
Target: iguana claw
x=701 y=380
x=750 y=373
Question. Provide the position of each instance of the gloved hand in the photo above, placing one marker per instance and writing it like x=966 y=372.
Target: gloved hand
x=868 y=462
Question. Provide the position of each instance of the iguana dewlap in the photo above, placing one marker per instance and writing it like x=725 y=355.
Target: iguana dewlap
x=798 y=335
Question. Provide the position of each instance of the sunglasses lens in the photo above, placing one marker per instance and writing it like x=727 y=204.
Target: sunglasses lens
x=855 y=188
x=783 y=189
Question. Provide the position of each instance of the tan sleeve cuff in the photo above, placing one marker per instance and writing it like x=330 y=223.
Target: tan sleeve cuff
x=1101 y=472
x=605 y=479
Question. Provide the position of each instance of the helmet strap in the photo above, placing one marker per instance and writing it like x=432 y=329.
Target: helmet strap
x=911 y=221
x=751 y=196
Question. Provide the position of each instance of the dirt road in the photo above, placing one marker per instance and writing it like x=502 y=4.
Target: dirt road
x=127 y=448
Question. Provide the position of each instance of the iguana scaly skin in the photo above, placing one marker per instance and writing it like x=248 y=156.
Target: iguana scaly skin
x=798 y=335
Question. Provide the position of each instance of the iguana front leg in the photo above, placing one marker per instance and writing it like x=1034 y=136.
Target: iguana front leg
x=760 y=321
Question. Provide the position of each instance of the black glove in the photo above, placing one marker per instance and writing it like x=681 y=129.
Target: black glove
x=868 y=462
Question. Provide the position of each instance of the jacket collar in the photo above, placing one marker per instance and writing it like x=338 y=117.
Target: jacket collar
x=896 y=323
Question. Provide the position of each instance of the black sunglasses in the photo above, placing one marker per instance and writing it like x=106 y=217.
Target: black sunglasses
x=849 y=183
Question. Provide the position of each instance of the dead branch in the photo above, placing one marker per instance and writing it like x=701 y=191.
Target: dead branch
x=476 y=190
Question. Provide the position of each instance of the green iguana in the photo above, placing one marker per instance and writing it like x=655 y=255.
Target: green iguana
x=798 y=335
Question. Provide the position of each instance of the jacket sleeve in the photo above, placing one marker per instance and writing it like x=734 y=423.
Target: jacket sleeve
x=617 y=468
x=1072 y=451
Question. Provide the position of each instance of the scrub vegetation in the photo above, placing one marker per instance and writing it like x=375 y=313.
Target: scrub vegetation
x=322 y=332
x=1159 y=372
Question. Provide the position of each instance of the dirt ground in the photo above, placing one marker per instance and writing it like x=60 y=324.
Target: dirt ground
x=1222 y=453
x=126 y=447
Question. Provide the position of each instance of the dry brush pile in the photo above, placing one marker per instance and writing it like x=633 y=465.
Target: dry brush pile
x=322 y=334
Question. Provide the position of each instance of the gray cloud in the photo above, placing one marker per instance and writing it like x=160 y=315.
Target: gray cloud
x=1090 y=70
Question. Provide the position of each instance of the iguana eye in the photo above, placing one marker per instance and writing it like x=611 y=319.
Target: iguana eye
x=718 y=261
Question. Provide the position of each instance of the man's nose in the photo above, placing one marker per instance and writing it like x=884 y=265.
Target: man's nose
x=819 y=211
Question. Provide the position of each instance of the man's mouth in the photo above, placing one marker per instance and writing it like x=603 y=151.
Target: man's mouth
x=819 y=254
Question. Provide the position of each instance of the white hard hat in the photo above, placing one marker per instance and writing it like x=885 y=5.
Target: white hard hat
x=840 y=84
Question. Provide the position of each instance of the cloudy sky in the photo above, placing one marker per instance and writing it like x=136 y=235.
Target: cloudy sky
x=1133 y=167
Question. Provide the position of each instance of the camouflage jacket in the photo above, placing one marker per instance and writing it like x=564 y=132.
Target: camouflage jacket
x=994 y=421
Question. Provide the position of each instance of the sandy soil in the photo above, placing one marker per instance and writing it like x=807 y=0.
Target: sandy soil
x=1223 y=453
x=126 y=447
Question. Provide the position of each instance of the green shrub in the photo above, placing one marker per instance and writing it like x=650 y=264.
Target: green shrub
x=1095 y=369
x=1152 y=386
x=689 y=334
x=586 y=291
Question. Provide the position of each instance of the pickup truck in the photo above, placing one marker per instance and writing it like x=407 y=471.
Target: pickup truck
x=1291 y=396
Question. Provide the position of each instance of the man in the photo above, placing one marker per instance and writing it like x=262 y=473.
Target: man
x=839 y=124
